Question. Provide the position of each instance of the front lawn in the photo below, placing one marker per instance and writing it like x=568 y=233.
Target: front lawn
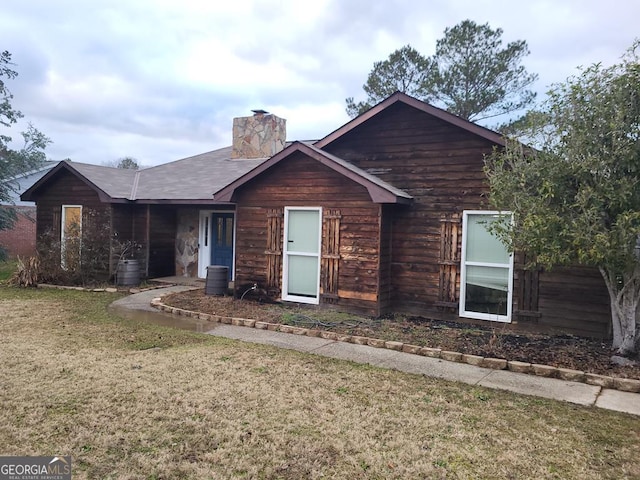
x=131 y=400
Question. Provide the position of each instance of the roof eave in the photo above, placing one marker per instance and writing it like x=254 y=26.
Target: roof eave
x=27 y=195
x=177 y=201
x=227 y=193
x=380 y=195
x=377 y=193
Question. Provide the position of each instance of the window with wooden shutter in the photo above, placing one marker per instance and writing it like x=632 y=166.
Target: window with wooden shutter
x=274 y=248
x=330 y=261
x=449 y=261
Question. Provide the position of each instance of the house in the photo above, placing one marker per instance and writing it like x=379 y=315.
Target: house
x=385 y=214
x=21 y=239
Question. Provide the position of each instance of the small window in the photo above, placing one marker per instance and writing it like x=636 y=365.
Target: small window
x=486 y=280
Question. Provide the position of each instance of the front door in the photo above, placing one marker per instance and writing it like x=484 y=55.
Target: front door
x=222 y=240
x=301 y=272
x=216 y=241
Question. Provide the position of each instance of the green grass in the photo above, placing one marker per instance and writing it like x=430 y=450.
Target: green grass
x=7 y=268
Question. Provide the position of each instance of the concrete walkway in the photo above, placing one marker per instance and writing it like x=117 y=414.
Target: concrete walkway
x=573 y=392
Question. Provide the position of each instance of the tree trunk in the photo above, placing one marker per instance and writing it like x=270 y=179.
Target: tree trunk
x=624 y=311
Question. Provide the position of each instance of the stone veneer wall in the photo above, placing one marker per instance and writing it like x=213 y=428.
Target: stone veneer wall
x=259 y=136
x=187 y=243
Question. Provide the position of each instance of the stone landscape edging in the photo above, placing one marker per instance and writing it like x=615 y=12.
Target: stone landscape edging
x=604 y=381
x=121 y=289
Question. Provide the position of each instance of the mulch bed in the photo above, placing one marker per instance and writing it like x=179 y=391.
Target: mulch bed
x=564 y=351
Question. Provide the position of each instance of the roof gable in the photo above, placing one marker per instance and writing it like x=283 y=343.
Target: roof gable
x=379 y=191
x=443 y=115
x=110 y=184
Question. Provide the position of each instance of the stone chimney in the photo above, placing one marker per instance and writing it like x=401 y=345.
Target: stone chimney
x=260 y=136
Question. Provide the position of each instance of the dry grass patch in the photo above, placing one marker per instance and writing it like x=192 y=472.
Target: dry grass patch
x=76 y=381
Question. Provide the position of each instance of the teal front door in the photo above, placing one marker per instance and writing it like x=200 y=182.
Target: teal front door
x=222 y=229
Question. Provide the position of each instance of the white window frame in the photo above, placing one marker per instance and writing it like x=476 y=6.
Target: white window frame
x=463 y=312
x=63 y=223
x=204 y=240
x=285 y=261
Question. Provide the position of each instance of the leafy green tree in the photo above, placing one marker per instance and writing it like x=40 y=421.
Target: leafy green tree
x=471 y=74
x=128 y=163
x=14 y=162
x=576 y=200
x=125 y=163
x=406 y=71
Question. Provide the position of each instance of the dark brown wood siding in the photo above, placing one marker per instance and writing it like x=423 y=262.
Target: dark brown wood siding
x=574 y=300
x=386 y=254
x=121 y=232
x=64 y=189
x=122 y=221
x=162 y=240
x=141 y=233
x=151 y=228
x=301 y=181
x=129 y=223
x=441 y=166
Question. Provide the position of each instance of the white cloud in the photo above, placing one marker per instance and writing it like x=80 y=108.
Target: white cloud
x=159 y=79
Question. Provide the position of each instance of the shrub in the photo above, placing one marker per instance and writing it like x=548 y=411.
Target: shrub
x=88 y=255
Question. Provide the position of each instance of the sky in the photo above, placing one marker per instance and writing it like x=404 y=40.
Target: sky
x=160 y=80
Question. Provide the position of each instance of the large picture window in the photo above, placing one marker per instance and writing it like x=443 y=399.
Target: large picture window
x=486 y=280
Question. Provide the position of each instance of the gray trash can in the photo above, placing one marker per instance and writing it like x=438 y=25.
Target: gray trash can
x=128 y=272
x=217 y=280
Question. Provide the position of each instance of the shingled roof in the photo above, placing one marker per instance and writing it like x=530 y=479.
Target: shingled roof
x=195 y=179
x=190 y=180
x=114 y=182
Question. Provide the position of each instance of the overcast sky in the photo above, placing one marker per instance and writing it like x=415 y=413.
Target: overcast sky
x=160 y=80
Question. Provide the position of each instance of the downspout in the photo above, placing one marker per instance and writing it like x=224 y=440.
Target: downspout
x=147 y=240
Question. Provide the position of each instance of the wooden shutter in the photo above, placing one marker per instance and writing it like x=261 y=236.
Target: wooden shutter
x=55 y=227
x=449 y=261
x=274 y=248
x=527 y=287
x=330 y=261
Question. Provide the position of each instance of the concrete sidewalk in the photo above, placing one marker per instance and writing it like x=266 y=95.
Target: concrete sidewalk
x=573 y=392
x=552 y=388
